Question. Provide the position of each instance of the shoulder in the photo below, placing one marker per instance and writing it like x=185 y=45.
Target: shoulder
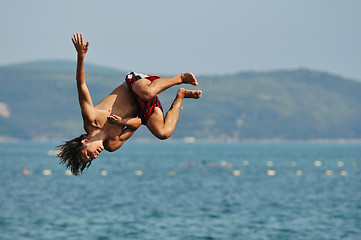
x=89 y=126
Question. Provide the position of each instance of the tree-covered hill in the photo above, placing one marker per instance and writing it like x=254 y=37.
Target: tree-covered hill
x=38 y=100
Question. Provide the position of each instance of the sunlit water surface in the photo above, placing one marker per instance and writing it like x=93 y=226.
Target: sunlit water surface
x=184 y=191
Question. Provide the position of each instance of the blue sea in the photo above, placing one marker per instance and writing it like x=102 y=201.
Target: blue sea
x=166 y=190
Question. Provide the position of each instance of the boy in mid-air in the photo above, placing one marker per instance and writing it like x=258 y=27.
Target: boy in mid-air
x=114 y=119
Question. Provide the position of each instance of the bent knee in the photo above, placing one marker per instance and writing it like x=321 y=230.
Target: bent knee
x=164 y=135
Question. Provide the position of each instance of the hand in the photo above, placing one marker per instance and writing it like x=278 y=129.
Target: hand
x=79 y=45
x=115 y=119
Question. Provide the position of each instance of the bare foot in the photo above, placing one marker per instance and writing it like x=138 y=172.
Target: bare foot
x=190 y=93
x=188 y=78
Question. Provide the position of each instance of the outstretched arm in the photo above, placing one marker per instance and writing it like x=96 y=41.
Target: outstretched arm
x=86 y=104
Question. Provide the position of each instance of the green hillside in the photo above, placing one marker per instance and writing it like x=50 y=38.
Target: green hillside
x=41 y=99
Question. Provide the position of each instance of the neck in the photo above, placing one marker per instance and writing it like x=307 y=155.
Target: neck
x=97 y=136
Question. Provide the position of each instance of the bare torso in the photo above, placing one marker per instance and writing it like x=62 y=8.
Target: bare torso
x=119 y=102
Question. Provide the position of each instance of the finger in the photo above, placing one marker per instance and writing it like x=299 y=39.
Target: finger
x=87 y=45
x=77 y=37
x=74 y=38
x=81 y=39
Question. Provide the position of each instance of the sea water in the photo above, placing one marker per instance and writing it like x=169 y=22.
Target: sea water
x=184 y=191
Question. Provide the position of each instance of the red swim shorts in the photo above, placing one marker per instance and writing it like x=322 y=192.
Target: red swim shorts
x=146 y=108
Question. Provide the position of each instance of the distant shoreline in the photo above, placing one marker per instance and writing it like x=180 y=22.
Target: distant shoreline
x=298 y=105
x=184 y=140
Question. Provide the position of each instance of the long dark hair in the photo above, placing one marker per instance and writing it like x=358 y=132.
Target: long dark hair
x=70 y=155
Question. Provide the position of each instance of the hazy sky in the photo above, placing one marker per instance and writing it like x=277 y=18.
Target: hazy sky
x=202 y=36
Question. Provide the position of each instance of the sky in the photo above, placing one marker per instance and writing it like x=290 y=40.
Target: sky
x=200 y=36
